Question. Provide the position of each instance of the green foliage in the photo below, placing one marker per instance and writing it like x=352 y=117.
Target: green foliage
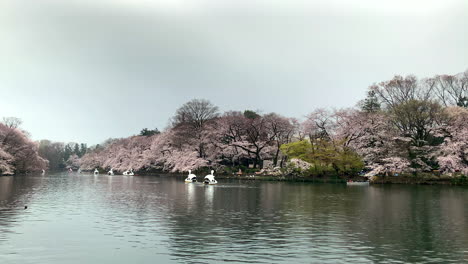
x=298 y=149
x=251 y=114
x=325 y=157
x=57 y=153
x=76 y=149
x=83 y=150
x=348 y=162
x=67 y=152
x=148 y=132
x=462 y=101
x=371 y=104
x=462 y=180
x=416 y=119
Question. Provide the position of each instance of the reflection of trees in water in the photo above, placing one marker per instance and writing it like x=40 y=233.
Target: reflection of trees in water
x=410 y=223
x=220 y=221
x=6 y=186
x=401 y=223
x=267 y=217
x=15 y=193
x=404 y=223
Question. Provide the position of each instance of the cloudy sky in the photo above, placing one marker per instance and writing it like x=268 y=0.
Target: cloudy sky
x=84 y=71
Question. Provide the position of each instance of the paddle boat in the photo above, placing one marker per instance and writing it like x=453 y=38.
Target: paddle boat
x=191 y=177
x=209 y=179
x=128 y=172
x=357 y=183
x=111 y=172
x=96 y=172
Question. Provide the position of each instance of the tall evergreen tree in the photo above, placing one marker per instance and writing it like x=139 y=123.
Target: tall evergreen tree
x=83 y=149
x=371 y=104
x=76 y=149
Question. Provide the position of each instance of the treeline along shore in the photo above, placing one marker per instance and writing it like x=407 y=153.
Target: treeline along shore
x=405 y=130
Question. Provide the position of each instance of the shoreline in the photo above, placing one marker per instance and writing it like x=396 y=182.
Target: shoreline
x=424 y=179
x=408 y=180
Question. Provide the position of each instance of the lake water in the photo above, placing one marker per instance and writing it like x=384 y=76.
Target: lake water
x=74 y=218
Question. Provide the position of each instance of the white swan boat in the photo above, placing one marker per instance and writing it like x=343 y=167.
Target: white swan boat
x=191 y=177
x=96 y=172
x=111 y=172
x=128 y=172
x=209 y=179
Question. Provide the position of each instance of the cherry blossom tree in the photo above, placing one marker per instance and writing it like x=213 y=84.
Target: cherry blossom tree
x=318 y=125
x=6 y=163
x=191 y=122
x=73 y=162
x=418 y=120
x=373 y=137
x=412 y=107
x=453 y=156
x=91 y=160
x=282 y=129
x=18 y=153
x=119 y=154
x=163 y=154
x=250 y=135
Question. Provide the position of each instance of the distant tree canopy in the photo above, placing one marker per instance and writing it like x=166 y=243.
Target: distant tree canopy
x=149 y=132
x=191 y=125
x=195 y=113
x=58 y=153
x=12 y=122
x=251 y=114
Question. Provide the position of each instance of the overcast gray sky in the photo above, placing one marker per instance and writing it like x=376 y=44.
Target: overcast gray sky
x=84 y=71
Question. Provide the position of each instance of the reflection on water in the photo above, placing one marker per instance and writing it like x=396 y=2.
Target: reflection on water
x=75 y=218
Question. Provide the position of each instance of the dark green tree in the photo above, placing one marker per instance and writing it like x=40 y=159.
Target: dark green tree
x=462 y=102
x=148 y=132
x=371 y=104
x=53 y=152
x=251 y=114
x=76 y=149
x=68 y=151
x=83 y=149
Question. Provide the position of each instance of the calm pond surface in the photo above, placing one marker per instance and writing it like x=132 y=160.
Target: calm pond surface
x=74 y=218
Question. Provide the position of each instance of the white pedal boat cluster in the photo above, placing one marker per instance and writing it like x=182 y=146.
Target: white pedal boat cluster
x=209 y=179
